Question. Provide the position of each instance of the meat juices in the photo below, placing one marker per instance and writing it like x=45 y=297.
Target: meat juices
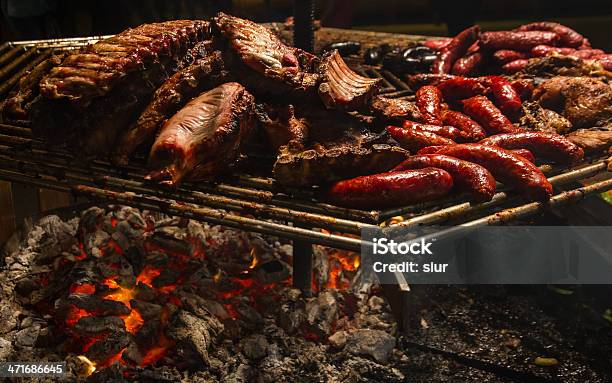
x=395 y=188
x=468 y=177
x=414 y=140
x=204 y=74
x=204 y=138
x=549 y=146
x=508 y=168
x=429 y=102
x=455 y=49
x=519 y=41
x=482 y=110
x=473 y=131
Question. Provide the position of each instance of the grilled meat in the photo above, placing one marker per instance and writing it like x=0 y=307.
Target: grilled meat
x=281 y=126
x=96 y=93
x=205 y=73
x=16 y=106
x=584 y=101
x=592 y=140
x=413 y=139
x=263 y=63
x=204 y=138
x=549 y=146
x=543 y=120
x=341 y=88
x=550 y=66
x=394 y=110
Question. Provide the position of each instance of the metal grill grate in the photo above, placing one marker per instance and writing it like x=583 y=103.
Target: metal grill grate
x=245 y=201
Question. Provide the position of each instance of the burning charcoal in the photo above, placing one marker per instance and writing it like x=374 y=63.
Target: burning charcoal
x=94 y=243
x=244 y=373
x=166 y=277
x=254 y=347
x=321 y=314
x=144 y=292
x=91 y=220
x=231 y=329
x=94 y=304
x=113 y=373
x=6 y=348
x=272 y=272
x=248 y=315
x=339 y=339
x=98 y=325
x=49 y=337
x=147 y=310
x=159 y=374
x=135 y=255
x=148 y=335
x=375 y=343
x=291 y=318
x=204 y=307
x=107 y=347
x=27 y=337
x=193 y=336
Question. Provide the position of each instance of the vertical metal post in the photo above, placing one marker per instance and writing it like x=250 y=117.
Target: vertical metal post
x=302 y=267
x=26 y=202
x=303 y=24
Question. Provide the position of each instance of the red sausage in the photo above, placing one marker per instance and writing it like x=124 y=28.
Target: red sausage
x=567 y=36
x=468 y=177
x=525 y=154
x=436 y=44
x=471 y=128
x=605 y=61
x=524 y=87
x=588 y=53
x=429 y=102
x=505 y=96
x=504 y=56
x=416 y=81
x=515 y=66
x=545 y=50
x=549 y=146
x=518 y=41
x=413 y=140
x=459 y=88
x=468 y=64
x=482 y=110
x=457 y=48
x=395 y=188
x=445 y=131
x=508 y=168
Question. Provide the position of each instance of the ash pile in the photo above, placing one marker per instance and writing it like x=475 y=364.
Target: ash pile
x=125 y=295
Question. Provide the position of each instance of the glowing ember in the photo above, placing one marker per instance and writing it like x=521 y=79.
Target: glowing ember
x=74 y=315
x=147 y=275
x=117 y=358
x=89 y=367
x=157 y=352
x=133 y=322
x=254 y=258
x=83 y=288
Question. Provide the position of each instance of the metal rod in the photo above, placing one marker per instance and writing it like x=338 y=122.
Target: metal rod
x=302 y=266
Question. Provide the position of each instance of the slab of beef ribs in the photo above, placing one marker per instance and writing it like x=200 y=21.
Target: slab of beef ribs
x=263 y=63
x=339 y=146
x=204 y=74
x=593 y=140
x=204 y=138
x=97 y=92
x=281 y=126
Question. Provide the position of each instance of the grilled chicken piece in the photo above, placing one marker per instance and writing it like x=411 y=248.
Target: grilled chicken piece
x=394 y=110
x=17 y=104
x=204 y=74
x=99 y=91
x=543 y=120
x=593 y=140
x=584 y=101
x=281 y=126
x=263 y=63
x=204 y=138
x=557 y=65
x=341 y=88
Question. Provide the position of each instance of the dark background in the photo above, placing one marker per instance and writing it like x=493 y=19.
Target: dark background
x=32 y=19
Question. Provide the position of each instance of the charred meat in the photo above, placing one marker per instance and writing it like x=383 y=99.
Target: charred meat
x=394 y=110
x=592 y=140
x=204 y=138
x=543 y=120
x=204 y=74
x=281 y=126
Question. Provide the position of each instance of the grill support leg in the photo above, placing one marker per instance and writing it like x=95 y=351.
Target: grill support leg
x=303 y=24
x=302 y=267
x=26 y=202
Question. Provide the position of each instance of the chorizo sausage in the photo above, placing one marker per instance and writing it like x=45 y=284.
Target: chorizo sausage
x=471 y=128
x=451 y=132
x=567 y=36
x=482 y=110
x=429 y=102
x=456 y=48
x=549 y=146
x=505 y=96
x=518 y=41
x=413 y=140
x=459 y=88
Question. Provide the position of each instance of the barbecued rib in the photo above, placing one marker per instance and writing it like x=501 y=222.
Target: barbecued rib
x=204 y=74
x=281 y=126
x=204 y=138
x=96 y=93
x=341 y=88
x=263 y=63
x=394 y=110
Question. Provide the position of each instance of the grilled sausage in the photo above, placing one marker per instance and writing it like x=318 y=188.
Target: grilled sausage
x=429 y=102
x=567 y=36
x=457 y=47
x=549 y=146
x=414 y=140
x=436 y=44
x=515 y=66
x=482 y=110
x=524 y=87
x=518 y=41
x=451 y=132
x=395 y=188
x=504 y=56
x=473 y=131
x=415 y=81
x=545 y=50
x=505 y=96
x=508 y=168
x=588 y=53
x=525 y=154
x=468 y=64
x=468 y=177
x=459 y=88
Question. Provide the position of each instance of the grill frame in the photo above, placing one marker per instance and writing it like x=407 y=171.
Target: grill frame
x=289 y=213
